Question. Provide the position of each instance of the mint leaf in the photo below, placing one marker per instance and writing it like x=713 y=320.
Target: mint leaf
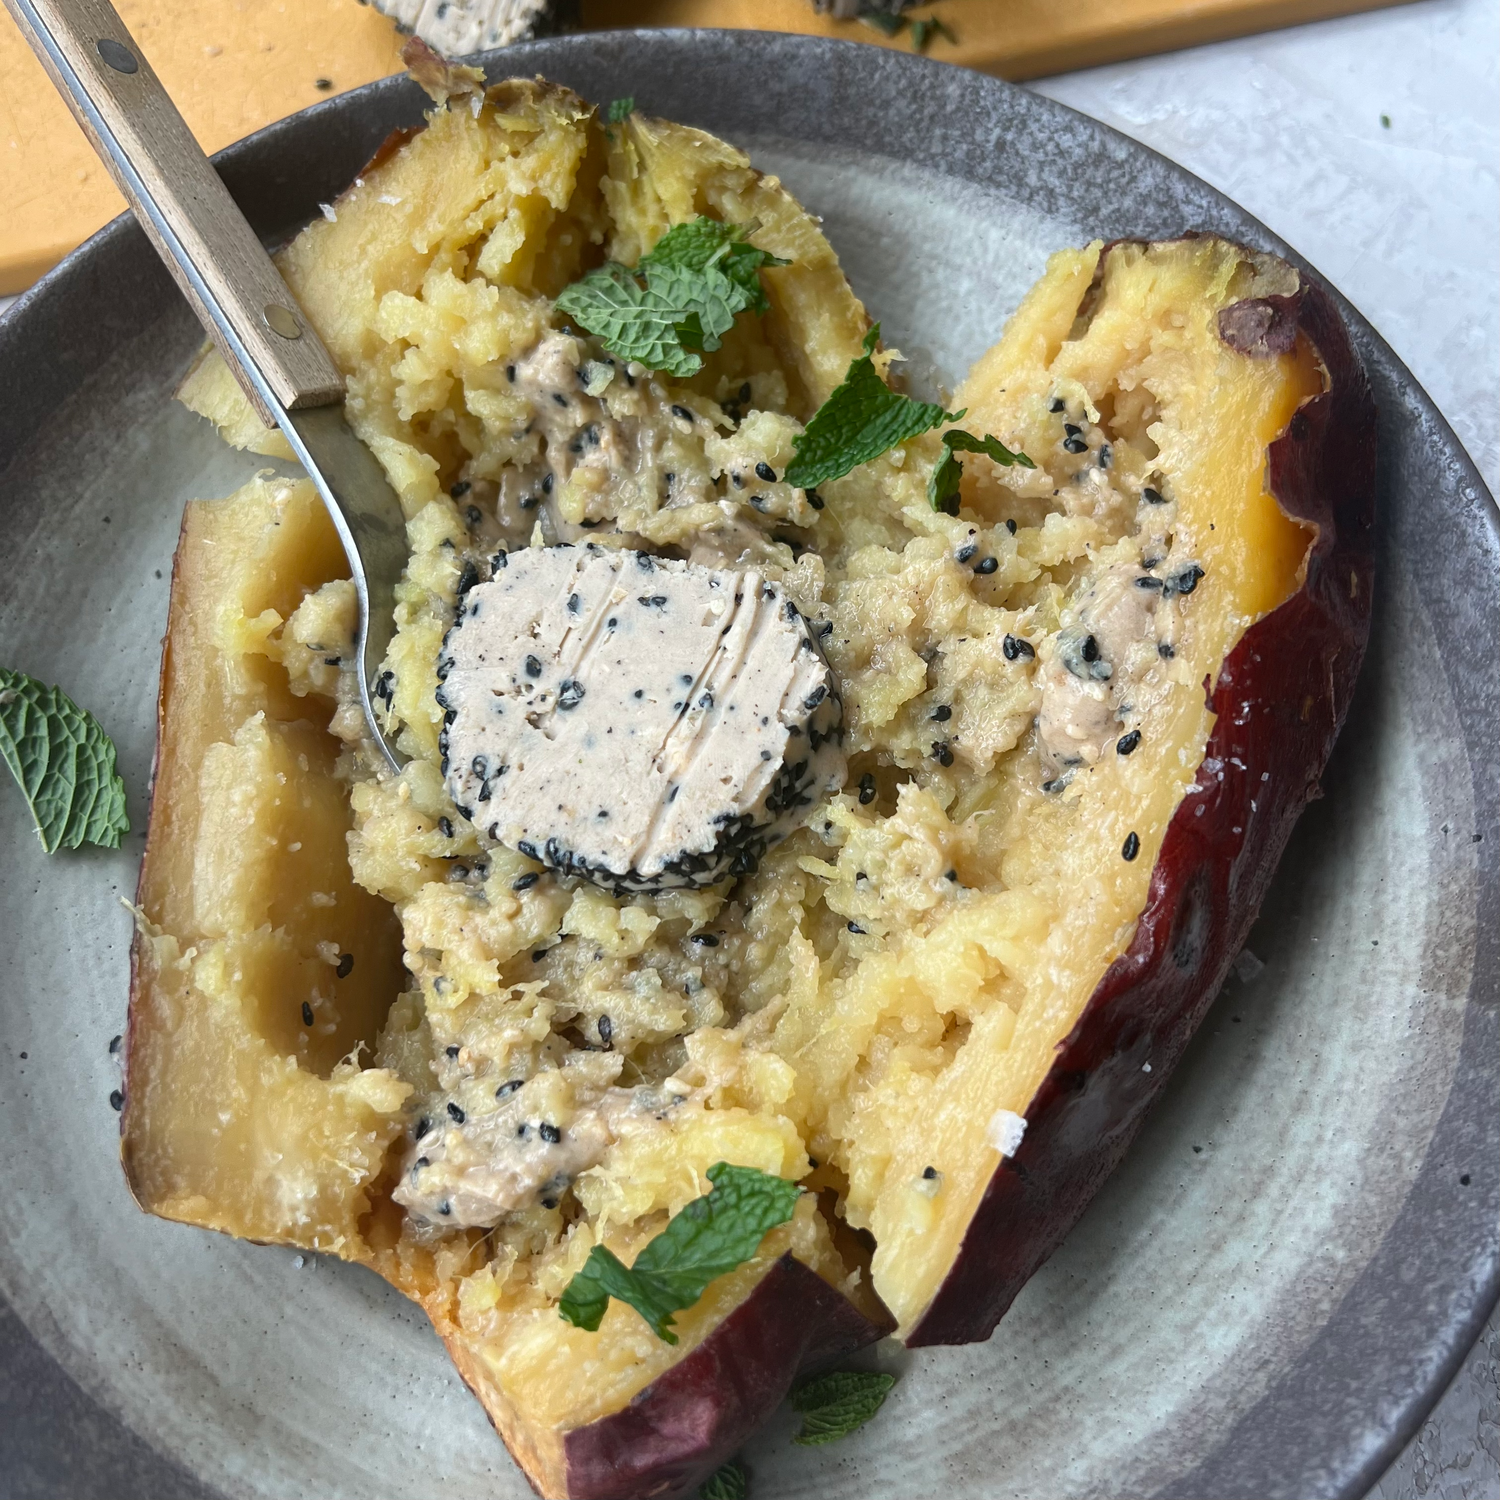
x=922 y=31
x=64 y=764
x=712 y=1236
x=620 y=108
x=632 y=322
x=702 y=245
x=861 y=420
x=698 y=277
x=834 y=1405
x=725 y=1483
x=942 y=488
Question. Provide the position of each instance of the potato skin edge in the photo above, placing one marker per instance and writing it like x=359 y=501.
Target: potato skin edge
x=695 y=1416
x=1281 y=699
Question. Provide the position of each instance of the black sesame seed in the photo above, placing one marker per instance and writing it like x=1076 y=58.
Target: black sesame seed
x=951 y=875
x=707 y=939
x=814 y=499
x=546 y=484
x=941 y=753
x=854 y=927
x=538 y=955
x=445 y=1209
x=815 y=697
x=510 y=373
x=866 y=789
x=1153 y=496
x=570 y=695
x=422 y=1127
x=307 y=1014
x=606 y=1030
x=525 y=882
x=574 y=604
x=965 y=553
x=942 y=713
x=1010 y=526
x=1166 y=651
x=1090 y=649
x=1464 y=1180
x=1016 y=649
x=1126 y=744
x=1131 y=846
x=445 y=827
x=116 y=1100
x=986 y=565
x=1075 y=445
x=451 y=1050
x=455 y=1113
x=1106 y=454
x=558 y=397
x=549 y=1133
x=929 y=1173
x=460 y=489
x=509 y=1088
x=533 y=667
x=473 y=515
x=682 y=413
x=1146 y=581
x=345 y=965
x=1185 y=581
x=114 y=1043
x=1058 y=404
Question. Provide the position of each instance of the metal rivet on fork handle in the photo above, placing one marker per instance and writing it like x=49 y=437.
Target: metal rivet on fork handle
x=282 y=320
x=116 y=56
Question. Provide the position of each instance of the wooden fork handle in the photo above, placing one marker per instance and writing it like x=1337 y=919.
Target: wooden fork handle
x=181 y=203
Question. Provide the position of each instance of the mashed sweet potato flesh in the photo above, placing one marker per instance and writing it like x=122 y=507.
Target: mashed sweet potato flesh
x=884 y=995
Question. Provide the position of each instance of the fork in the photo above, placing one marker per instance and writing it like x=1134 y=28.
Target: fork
x=249 y=312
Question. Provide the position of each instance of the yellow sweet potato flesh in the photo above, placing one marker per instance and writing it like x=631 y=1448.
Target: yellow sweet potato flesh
x=988 y=908
x=240 y=1115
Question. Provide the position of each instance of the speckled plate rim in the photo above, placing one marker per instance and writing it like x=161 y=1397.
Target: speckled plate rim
x=1346 y=1405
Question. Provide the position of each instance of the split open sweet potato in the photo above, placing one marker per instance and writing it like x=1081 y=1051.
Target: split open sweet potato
x=1082 y=715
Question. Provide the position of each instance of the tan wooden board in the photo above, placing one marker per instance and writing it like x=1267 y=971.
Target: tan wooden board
x=235 y=65
x=231 y=66
x=1013 y=38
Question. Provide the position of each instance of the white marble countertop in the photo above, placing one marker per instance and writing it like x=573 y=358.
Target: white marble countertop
x=1404 y=218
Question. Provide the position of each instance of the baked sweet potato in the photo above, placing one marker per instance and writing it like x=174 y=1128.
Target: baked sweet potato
x=1081 y=715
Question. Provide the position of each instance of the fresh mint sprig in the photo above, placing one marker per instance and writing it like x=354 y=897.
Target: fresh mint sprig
x=942 y=487
x=713 y=1235
x=64 y=764
x=679 y=301
x=862 y=419
x=619 y=109
x=727 y=1482
x=836 y=1404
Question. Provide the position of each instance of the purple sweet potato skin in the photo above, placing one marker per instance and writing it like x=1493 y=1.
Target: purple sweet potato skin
x=1280 y=700
x=684 y=1425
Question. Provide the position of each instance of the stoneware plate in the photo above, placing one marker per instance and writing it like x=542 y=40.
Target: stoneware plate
x=1265 y=1299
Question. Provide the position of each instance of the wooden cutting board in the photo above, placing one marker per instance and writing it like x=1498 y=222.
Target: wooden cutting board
x=236 y=65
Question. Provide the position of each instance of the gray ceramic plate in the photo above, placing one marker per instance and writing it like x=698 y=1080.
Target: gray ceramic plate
x=1265 y=1299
